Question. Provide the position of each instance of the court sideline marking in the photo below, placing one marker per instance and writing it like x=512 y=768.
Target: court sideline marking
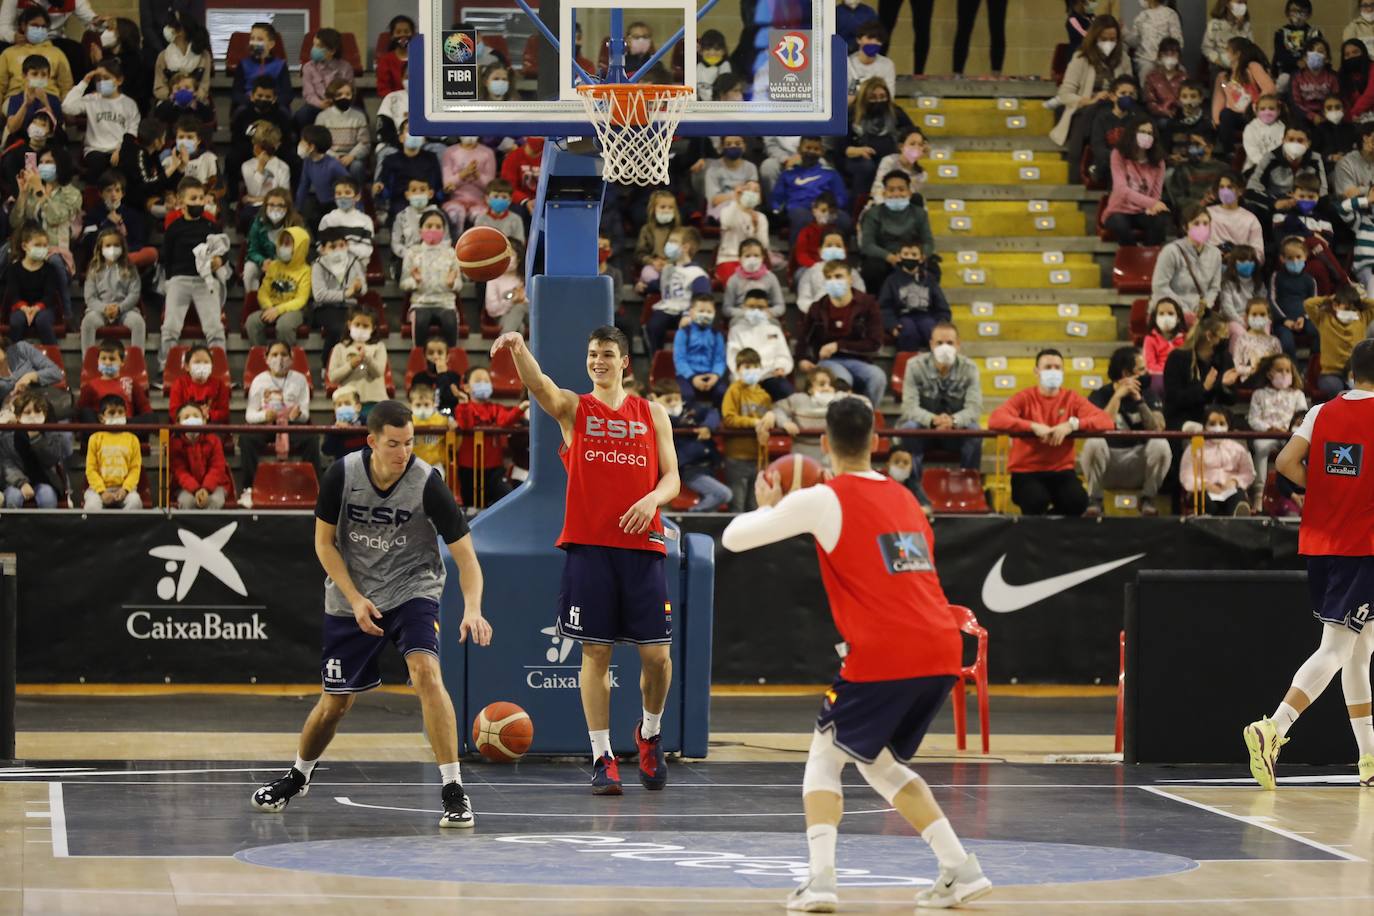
x=58 y=820
x=1261 y=822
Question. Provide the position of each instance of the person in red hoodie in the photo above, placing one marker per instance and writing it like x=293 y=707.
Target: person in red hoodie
x=200 y=385
x=478 y=410
x=110 y=365
x=521 y=168
x=198 y=467
x=1043 y=480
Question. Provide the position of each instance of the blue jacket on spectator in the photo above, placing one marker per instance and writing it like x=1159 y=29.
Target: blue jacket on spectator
x=698 y=351
x=848 y=21
x=800 y=185
x=23 y=358
x=52 y=105
x=693 y=452
x=318 y=177
x=397 y=171
x=1289 y=291
x=135 y=225
x=250 y=69
x=919 y=293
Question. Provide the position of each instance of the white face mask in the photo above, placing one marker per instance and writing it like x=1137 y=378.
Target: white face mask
x=1345 y=316
x=1052 y=379
x=823 y=397
x=199 y=371
x=899 y=473
x=664 y=217
x=423 y=413
x=751 y=263
x=1238 y=9
x=1215 y=428
x=1335 y=117
x=116 y=421
x=32 y=419
x=675 y=410
x=1367 y=15
x=1169 y=63
x=275 y=215
x=278 y=364
x=360 y=335
x=1294 y=150
x=1106 y=47
x=108 y=39
x=1166 y=322
x=944 y=354
x=111 y=252
x=1258 y=323
x=193 y=421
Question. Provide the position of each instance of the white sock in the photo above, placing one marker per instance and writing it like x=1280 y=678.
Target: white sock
x=946 y=846
x=601 y=742
x=449 y=772
x=1284 y=717
x=1364 y=733
x=653 y=723
x=305 y=766
x=820 y=839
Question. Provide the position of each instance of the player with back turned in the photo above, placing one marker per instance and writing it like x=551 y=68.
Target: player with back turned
x=618 y=450
x=901 y=650
x=1328 y=455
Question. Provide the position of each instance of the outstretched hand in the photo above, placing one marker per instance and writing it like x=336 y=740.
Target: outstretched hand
x=511 y=340
x=475 y=625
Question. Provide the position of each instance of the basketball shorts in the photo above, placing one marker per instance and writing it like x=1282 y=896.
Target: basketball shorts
x=348 y=663
x=614 y=594
x=863 y=717
x=1342 y=590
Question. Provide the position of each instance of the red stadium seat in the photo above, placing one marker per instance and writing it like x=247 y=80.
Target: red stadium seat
x=1059 y=63
x=899 y=370
x=686 y=499
x=505 y=381
x=285 y=485
x=1133 y=270
x=884 y=447
x=238 y=50
x=954 y=490
x=415 y=364
x=177 y=356
x=1140 y=317
x=488 y=325
x=348 y=51
x=256 y=363
x=978 y=672
x=662 y=367
x=54 y=353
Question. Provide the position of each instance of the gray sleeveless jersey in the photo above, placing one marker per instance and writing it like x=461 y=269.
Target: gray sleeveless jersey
x=388 y=541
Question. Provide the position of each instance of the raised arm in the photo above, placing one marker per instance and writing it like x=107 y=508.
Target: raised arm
x=559 y=403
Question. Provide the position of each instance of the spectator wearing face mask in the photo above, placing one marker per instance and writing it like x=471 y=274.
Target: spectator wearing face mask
x=1136 y=203
x=1358 y=212
x=1274 y=180
x=811 y=281
x=337 y=279
x=277 y=397
x=1108 y=122
x=1188 y=269
x=1272 y=406
x=1224 y=473
x=1165 y=83
x=740 y=220
x=804 y=412
x=1341 y=322
x=1043 y=481
x=912 y=301
x=285 y=290
x=942 y=390
x=1239 y=285
x=1254 y=344
x=876 y=127
x=1127 y=464
x=197 y=463
x=30 y=458
x=1334 y=137
x=887 y=228
x=1355 y=172
x=753 y=273
x=726 y=174
x=1163 y=335
x=1193 y=173
x=1088 y=82
x=1155 y=24
x=755 y=329
x=199 y=384
x=699 y=352
x=1312 y=80
x=33 y=36
x=1232 y=224
x=1199 y=373
x=478 y=410
x=1361 y=28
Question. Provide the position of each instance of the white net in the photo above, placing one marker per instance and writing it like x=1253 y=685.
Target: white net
x=634 y=125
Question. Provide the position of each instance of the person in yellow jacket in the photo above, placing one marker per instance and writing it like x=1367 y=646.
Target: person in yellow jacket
x=114 y=461
x=285 y=290
x=32 y=37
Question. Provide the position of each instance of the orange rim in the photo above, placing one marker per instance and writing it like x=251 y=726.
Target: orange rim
x=628 y=104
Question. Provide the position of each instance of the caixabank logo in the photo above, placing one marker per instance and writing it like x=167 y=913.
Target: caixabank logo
x=196 y=568
x=905 y=552
x=1344 y=459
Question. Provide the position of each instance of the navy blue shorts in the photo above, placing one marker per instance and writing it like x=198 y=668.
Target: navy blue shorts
x=348 y=663
x=864 y=717
x=1342 y=589
x=614 y=594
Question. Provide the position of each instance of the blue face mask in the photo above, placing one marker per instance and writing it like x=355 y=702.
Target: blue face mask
x=1316 y=61
x=317 y=55
x=732 y=152
x=481 y=391
x=498 y=205
x=1306 y=206
x=182 y=98
x=415 y=143
x=346 y=413
x=836 y=288
x=345 y=203
x=671 y=250
x=106 y=88
x=47 y=171
x=108 y=371
x=1245 y=268
x=1295 y=267
x=896 y=204
x=36 y=34
x=1052 y=379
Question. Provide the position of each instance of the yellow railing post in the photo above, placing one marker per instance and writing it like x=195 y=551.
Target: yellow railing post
x=451 y=460
x=1002 y=478
x=1199 y=491
x=164 y=476
x=479 y=470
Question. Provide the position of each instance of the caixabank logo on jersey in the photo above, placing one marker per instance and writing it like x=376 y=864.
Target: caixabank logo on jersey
x=1344 y=459
x=905 y=552
x=195 y=576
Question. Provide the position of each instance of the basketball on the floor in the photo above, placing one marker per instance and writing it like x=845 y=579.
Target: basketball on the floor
x=502 y=732
x=796 y=472
x=483 y=253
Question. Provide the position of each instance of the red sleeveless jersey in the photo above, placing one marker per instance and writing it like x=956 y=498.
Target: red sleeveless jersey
x=884 y=593
x=612 y=462
x=1338 y=514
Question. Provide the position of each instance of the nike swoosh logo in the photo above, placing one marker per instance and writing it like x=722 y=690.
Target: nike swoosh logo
x=807 y=180
x=1000 y=597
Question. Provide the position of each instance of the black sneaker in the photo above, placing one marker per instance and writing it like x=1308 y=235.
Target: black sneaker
x=457 y=810
x=276 y=795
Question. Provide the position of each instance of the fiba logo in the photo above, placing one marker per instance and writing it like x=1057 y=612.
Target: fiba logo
x=459 y=48
x=791 y=51
x=193 y=555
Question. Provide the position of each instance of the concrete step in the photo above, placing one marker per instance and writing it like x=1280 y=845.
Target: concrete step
x=949 y=87
x=993 y=218
x=1003 y=118
x=963 y=190
x=1030 y=296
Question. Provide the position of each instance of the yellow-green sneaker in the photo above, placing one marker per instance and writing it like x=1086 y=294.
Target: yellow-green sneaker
x=1262 y=738
x=1366 y=765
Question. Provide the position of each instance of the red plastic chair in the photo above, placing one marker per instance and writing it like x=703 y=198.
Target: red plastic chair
x=285 y=485
x=54 y=353
x=899 y=371
x=238 y=50
x=686 y=499
x=505 y=381
x=978 y=672
x=415 y=363
x=489 y=327
x=1121 y=698
x=1133 y=270
x=1140 y=317
x=662 y=367
x=955 y=490
x=256 y=363
x=348 y=49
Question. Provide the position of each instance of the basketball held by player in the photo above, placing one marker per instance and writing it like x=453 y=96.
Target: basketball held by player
x=622 y=468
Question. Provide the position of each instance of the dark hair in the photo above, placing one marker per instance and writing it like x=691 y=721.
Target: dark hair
x=704 y=297
x=264 y=82
x=330 y=38
x=756 y=292
x=347 y=181
x=112 y=345
x=112 y=178
x=195 y=348
x=711 y=38
x=318 y=137
x=1125 y=79
x=609 y=333
x=1089 y=50
x=827 y=198
x=189 y=124
x=150 y=129
x=872 y=29
x=388 y=413
x=1122 y=361
x=337 y=85
x=499 y=185
x=190 y=184
x=666 y=386
x=63 y=160
x=899 y=175
x=1362 y=362
x=111 y=401
x=1306 y=181
x=1266 y=365
x=32 y=14
x=278 y=343
x=362 y=311
x=1129 y=147
x=1193 y=211
x=1193 y=84
x=268 y=28
x=849 y=427
x=1304 y=6
x=112 y=66
x=724 y=83
x=1170 y=44
x=397 y=20
x=36 y=62
x=748 y=355
x=1048 y=351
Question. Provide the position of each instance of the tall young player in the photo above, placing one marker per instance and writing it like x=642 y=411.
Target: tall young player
x=376 y=522
x=618 y=450
x=900 y=655
x=1326 y=455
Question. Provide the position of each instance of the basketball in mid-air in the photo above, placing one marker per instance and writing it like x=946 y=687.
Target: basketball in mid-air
x=483 y=253
x=796 y=472
x=502 y=732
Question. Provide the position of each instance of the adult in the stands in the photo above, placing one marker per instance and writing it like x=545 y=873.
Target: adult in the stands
x=1232 y=224
x=1113 y=464
x=1235 y=94
x=1194 y=172
x=842 y=333
x=889 y=226
x=1108 y=121
x=1087 y=83
x=21 y=365
x=799 y=185
x=1354 y=174
x=1135 y=204
x=154 y=16
x=1188 y=269
x=185 y=48
x=876 y=127
x=889 y=10
x=393 y=63
x=1043 y=481
x=966 y=13
x=942 y=390
x=1199 y=373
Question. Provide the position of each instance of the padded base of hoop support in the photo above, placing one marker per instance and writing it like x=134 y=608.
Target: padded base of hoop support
x=522 y=124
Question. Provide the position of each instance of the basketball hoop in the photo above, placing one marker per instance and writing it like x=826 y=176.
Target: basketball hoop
x=635 y=125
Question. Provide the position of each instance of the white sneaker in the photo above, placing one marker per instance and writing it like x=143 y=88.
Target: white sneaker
x=817 y=895
x=246 y=499
x=956 y=886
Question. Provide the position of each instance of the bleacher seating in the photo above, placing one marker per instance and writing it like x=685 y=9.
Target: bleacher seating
x=285 y=485
x=256 y=363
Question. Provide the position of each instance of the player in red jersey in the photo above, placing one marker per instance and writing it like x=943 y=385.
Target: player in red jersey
x=901 y=650
x=1326 y=455
x=618 y=450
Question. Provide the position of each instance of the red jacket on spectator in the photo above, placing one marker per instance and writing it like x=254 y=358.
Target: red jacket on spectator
x=484 y=413
x=1161 y=91
x=522 y=171
x=1136 y=186
x=807 y=250
x=1029 y=456
x=212 y=391
x=1157 y=350
x=199 y=464
x=135 y=397
x=390 y=71
x=1309 y=90
x=857 y=328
